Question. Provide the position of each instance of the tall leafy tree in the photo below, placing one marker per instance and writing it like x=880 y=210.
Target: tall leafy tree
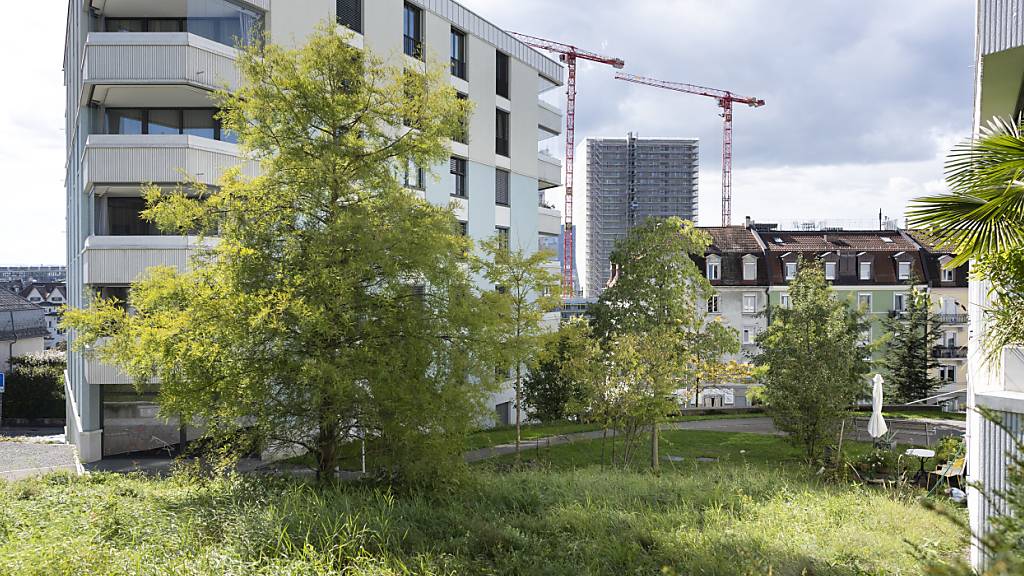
x=908 y=354
x=336 y=303
x=524 y=291
x=561 y=384
x=814 y=361
x=647 y=318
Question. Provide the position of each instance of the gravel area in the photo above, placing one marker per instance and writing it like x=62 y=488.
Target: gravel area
x=24 y=459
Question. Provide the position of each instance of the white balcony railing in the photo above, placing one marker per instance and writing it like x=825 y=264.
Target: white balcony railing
x=136 y=159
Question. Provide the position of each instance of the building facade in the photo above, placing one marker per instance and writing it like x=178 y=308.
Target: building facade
x=51 y=297
x=629 y=180
x=22 y=328
x=139 y=76
x=997 y=384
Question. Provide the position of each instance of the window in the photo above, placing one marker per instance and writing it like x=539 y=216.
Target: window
x=747 y=335
x=713 y=304
x=865 y=270
x=123 y=217
x=790 y=270
x=463 y=228
x=413 y=26
x=903 y=270
x=458 y=54
x=714 y=268
x=864 y=302
x=948 y=274
x=749 y=269
x=462 y=136
x=949 y=339
x=947 y=373
x=458 y=170
x=125 y=121
x=413 y=177
x=501 y=185
x=501 y=133
x=219 y=20
x=548 y=243
x=200 y=122
x=899 y=302
x=749 y=303
x=35 y=299
x=503 y=237
x=350 y=14
x=501 y=74
x=830 y=270
x=784 y=300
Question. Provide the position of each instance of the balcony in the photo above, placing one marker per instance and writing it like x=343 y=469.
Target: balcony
x=951 y=318
x=157 y=59
x=549 y=119
x=134 y=159
x=549 y=171
x=119 y=260
x=949 y=352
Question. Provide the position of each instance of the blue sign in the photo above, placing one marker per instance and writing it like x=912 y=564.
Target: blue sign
x=1 y=382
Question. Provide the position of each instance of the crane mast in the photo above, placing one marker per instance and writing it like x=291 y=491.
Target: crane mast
x=725 y=101
x=569 y=55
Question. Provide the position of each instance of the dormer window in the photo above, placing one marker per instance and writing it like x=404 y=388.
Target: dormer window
x=714 y=268
x=903 y=270
x=830 y=270
x=749 y=267
x=865 y=270
x=948 y=274
x=790 y=270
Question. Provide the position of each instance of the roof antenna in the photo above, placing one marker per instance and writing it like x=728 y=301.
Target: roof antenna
x=879 y=218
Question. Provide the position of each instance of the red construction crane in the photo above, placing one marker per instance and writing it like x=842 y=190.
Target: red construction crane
x=725 y=101
x=568 y=54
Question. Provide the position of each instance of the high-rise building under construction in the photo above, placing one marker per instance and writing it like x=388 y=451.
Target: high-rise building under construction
x=629 y=180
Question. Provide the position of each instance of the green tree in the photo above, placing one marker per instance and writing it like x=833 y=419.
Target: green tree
x=814 y=362
x=706 y=349
x=336 y=303
x=647 y=318
x=561 y=384
x=524 y=291
x=908 y=355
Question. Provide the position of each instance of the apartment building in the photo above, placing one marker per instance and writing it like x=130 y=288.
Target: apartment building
x=629 y=180
x=996 y=384
x=139 y=76
x=51 y=297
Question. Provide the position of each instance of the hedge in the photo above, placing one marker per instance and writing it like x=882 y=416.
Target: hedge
x=35 y=387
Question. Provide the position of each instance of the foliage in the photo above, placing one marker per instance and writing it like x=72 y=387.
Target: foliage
x=336 y=303
x=815 y=364
x=908 y=355
x=716 y=520
x=984 y=212
x=756 y=395
x=705 y=349
x=651 y=322
x=876 y=463
x=1005 y=313
x=561 y=384
x=35 y=386
x=949 y=449
x=524 y=291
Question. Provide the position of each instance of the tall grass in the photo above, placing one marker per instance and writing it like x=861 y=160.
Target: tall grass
x=735 y=519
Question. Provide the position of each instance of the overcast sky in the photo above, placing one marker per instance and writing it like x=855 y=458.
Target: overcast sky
x=863 y=100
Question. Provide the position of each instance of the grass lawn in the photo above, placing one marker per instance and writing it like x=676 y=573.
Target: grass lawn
x=507 y=434
x=916 y=415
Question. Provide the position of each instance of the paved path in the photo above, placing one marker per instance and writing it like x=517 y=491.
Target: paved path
x=24 y=459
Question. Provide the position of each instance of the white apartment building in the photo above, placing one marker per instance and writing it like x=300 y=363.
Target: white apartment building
x=139 y=76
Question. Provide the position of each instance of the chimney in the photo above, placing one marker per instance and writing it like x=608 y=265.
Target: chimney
x=750 y=223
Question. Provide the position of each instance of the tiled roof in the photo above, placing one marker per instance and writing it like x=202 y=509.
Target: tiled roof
x=732 y=238
x=927 y=241
x=11 y=301
x=819 y=241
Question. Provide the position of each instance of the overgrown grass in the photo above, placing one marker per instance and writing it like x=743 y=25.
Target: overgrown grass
x=721 y=520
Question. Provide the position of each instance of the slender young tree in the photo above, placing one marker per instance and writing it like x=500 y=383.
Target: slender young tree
x=336 y=303
x=909 y=357
x=524 y=291
x=560 y=384
x=815 y=364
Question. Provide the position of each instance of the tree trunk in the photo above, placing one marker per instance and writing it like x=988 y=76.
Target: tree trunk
x=327 y=447
x=519 y=430
x=654 y=445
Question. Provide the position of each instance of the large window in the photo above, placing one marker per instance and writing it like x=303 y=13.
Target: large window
x=124 y=218
x=458 y=54
x=501 y=133
x=501 y=187
x=749 y=268
x=413 y=26
x=192 y=121
x=501 y=74
x=218 y=20
x=458 y=170
x=714 y=268
x=548 y=243
x=350 y=14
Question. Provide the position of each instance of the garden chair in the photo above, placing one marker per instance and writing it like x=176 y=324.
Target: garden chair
x=950 y=470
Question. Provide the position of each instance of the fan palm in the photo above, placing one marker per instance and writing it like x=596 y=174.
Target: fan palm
x=984 y=213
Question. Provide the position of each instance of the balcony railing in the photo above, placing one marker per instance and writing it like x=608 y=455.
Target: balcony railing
x=949 y=352
x=952 y=318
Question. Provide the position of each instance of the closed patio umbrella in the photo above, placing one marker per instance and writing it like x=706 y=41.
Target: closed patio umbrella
x=876 y=426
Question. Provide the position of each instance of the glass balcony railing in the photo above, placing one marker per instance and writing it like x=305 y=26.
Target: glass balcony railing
x=219 y=20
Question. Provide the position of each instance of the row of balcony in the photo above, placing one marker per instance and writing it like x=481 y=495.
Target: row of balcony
x=947 y=319
x=949 y=352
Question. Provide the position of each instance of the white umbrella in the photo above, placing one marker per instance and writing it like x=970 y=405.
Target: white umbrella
x=877 y=426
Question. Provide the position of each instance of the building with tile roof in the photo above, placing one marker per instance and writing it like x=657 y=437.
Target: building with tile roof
x=22 y=328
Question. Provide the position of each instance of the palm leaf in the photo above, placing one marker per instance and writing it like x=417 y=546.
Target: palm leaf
x=984 y=213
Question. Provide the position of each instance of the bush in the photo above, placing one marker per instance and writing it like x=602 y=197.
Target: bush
x=35 y=386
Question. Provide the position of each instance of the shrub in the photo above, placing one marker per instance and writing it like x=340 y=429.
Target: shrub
x=35 y=386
